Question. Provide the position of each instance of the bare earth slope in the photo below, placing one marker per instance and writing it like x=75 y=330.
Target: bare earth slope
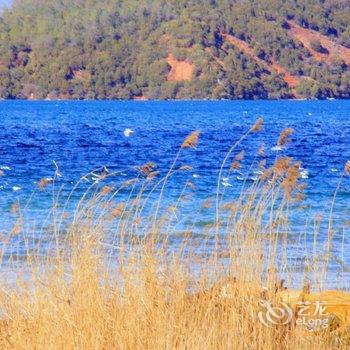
x=305 y=36
x=180 y=70
x=272 y=65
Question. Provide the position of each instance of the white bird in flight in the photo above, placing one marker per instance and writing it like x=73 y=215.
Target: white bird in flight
x=128 y=132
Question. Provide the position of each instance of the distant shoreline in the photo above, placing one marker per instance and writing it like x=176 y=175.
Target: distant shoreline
x=175 y=100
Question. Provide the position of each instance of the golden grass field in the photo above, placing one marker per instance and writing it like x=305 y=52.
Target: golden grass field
x=136 y=291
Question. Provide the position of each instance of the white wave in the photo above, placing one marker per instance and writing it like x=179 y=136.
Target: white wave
x=16 y=188
x=277 y=148
x=254 y=178
x=196 y=176
x=333 y=170
x=128 y=132
x=226 y=184
x=5 y=167
x=304 y=173
x=240 y=178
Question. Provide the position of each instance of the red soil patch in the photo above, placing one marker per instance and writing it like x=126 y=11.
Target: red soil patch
x=180 y=70
x=2 y=66
x=291 y=80
x=81 y=74
x=305 y=36
x=243 y=46
x=140 y=98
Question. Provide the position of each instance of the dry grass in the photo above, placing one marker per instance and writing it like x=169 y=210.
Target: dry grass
x=112 y=276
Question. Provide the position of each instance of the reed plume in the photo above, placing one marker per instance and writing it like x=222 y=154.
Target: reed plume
x=43 y=183
x=290 y=181
x=262 y=164
x=17 y=227
x=191 y=140
x=14 y=208
x=258 y=125
x=281 y=165
x=152 y=175
x=147 y=168
x=106 y=189
x=261 y=150
x=191 y=185
x=185 y=168
x=118 y=210
x=130 y=182
x=240 y=156
x=207 y=203
x=347 y=168
x=284 y=137
x=236 y=165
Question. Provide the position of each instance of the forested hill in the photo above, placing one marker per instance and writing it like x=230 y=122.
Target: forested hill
x=167 y=49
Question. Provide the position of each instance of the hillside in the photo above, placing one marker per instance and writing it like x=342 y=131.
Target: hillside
x=83 y=49
x=330 y=50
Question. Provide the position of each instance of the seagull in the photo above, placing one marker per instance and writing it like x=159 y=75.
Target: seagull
x=128 y=132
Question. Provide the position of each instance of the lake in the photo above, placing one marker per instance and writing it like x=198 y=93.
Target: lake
x=80 y=136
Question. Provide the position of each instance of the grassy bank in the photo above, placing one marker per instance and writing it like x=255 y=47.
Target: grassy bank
x=109 y=275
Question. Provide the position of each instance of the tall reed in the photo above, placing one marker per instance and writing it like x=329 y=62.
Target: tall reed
x=116 y=273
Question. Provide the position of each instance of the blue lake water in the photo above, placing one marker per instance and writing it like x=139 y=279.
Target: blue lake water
x=82 y=136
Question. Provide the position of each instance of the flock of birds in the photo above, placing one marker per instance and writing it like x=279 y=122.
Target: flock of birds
x=128 y=133
x=95 y=177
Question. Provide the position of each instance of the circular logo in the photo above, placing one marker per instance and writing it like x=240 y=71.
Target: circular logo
x=270 y=315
